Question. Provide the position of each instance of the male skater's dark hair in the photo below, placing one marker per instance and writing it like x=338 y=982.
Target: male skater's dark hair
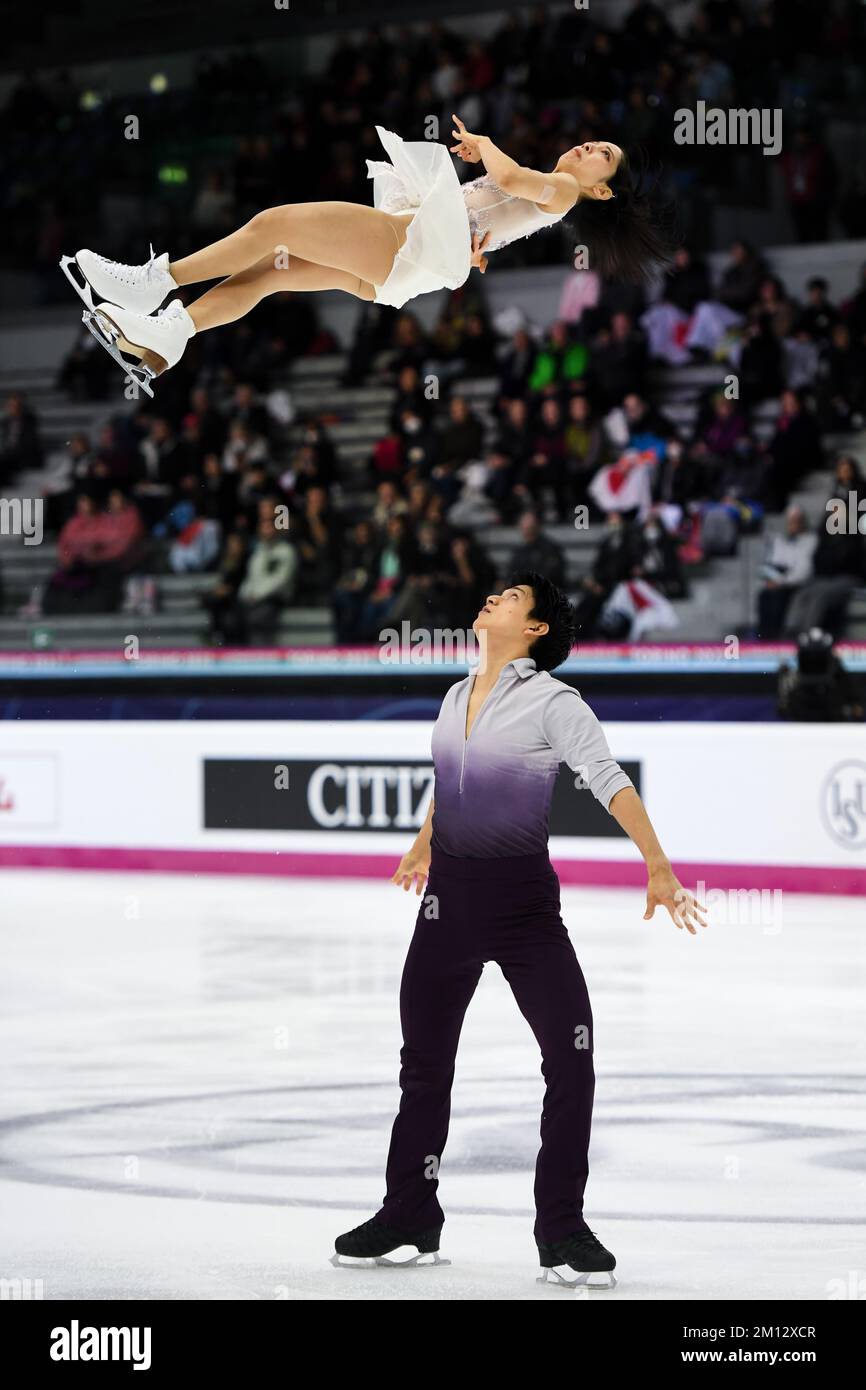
x=550 y=605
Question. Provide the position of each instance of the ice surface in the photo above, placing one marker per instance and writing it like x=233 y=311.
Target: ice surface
x=200 y=1075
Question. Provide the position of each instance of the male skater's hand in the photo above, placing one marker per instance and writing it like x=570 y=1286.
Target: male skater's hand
x=414 y=867
x=665 y=890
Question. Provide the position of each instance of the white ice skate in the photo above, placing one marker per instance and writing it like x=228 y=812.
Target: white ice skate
x=141 y=288
x=154 y=342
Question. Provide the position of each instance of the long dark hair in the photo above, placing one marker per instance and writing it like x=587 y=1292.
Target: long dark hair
x=630 y=237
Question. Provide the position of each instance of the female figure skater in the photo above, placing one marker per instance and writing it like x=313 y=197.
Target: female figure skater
x=424 y=232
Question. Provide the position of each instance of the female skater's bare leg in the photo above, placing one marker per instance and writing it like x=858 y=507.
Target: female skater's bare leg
x=231 y=299
x=346 y=236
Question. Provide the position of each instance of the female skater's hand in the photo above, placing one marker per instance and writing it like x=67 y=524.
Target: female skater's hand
x=477 y=251
x=467 y=146
x=665 y=890
x=414 y=868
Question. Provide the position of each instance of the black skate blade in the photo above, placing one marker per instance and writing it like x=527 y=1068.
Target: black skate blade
x=82 y=289
x=564 y=1277
x=416 y=1261
x=106 y=335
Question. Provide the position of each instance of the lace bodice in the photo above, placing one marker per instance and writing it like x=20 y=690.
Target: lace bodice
x=505 y=216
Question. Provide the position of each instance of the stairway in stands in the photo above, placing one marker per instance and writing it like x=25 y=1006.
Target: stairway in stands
x=721 y=590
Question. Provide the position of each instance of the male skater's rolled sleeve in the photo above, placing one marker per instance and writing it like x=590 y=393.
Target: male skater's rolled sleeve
x=577 y=738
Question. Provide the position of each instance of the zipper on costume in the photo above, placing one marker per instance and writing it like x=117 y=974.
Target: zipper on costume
x=466 y=737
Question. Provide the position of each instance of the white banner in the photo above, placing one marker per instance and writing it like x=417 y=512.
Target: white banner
x=738 y=794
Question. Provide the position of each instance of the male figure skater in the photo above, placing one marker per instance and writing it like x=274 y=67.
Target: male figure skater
x=492 y=894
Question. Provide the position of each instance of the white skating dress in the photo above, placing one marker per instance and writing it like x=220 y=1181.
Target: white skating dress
x=438 y=247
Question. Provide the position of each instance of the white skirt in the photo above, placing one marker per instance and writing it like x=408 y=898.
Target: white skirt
x=437 y=252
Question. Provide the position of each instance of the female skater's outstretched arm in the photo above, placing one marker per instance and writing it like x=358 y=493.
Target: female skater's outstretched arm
x=557 y=190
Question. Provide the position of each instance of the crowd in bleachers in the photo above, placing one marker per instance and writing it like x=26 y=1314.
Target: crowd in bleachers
x=544 y=80
x=219 y=476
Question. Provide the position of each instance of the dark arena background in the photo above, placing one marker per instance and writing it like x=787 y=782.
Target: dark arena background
x=230 y=610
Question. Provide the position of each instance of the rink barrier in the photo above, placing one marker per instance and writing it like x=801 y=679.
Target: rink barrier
x=599 y=873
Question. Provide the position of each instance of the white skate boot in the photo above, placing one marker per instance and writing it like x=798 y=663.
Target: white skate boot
x=154 y=342
x=141 y=288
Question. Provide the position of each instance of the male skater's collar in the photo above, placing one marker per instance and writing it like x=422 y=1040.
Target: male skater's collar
x=523 y=665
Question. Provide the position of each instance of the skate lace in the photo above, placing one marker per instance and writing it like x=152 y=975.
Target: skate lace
x=174 y=310
x=132 y=274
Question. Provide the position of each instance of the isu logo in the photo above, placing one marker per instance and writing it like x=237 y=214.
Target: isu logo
x=844 y=804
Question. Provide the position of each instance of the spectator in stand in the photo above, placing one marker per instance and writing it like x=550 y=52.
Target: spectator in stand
x=478 y=347
x=657 y=559
x=466 y=582
x=775 y=306
x=788 y=565
x=819 y=317
x=717 y=439
x=558 y=361
x=618 y=361
x=760 y=362
x=243 y=448
x=319 y=541
x=583 y=448
x=163 y=461
x=666 y=323
x=514 y=433
x=219 y=492
x=420 y=444
x=355 y=583
x=393 y=562
x=794 y=450
x=221 y=600
x=125 y=543
x=68 y=469
x=615 y=559
x=839 y=567
x=516 y=367
x=409 y=396
x=20 y=445
x=389 y=502
x=809 y=171
x=544 y=471
x=841 y=393
x=195 y=539
x=386 y=460
x=95 y=550
x=86 y=371
x=538 y=552
x=212 y=427
x=422 y=598
x=737 y=292
x=268 y=585
x=462 y=437
x=248 y=411
x=637 y=424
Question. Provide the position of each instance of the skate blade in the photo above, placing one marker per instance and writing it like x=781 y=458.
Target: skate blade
x=417 y=1261
x=108 y=335
x=563 y=1276
x=82 y=289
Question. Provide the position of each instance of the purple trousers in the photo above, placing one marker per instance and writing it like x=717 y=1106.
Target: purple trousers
x=473 y=911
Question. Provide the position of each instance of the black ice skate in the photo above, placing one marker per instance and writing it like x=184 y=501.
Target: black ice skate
x=370 y=1243
x=581 y=1255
